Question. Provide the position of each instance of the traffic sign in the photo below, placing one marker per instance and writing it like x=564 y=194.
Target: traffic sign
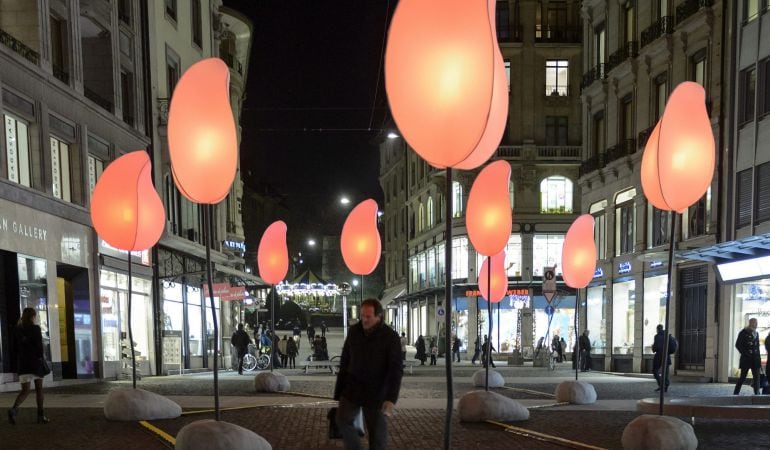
x=440 y=312
x=549 y=310
x=549 y=283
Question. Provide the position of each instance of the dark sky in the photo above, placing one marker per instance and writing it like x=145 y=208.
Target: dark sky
x=308 y=112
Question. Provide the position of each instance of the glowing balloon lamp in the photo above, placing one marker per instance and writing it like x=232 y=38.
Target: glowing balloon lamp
x=499 y=279
x=488 y=216
x=273 y=254
x=578 y=255
x=360 y=242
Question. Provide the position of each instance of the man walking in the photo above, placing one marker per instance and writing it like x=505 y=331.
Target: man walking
x=657 y=362
x=584 y=344
x=748 y=346
x=486 y=351
x=369 y=377
x=323 y=329
x=403 y=347
x=456 y=344
x=240 y=340
x=476 y=351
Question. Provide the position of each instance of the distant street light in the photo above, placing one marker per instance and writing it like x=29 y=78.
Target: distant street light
x=344 y=200
x=392 y=135
x=311 y=242
x=355 y=282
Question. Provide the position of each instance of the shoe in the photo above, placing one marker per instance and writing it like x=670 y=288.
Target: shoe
x=12 y=415
x=41 y=418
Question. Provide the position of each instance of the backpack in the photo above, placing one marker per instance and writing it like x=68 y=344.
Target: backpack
x=672 y=345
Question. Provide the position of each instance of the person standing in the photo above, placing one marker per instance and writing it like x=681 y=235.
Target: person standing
x=310 y=333
x=240 y=340
x=369 y=377
x=486 y=351
x=456 y=344
x=433 y=351
x=283 y=348
x=31 y=365
x=421 y=354
x=748 y=346
x=657 y=362
x=556 y=347
x=403 y=346
x=584 y=344
x=291 y=352
x=476 y=351
x=323 y=329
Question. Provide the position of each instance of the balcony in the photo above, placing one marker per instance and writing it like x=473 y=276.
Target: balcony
x=232 y=62
x=690 y=7
x=644 y=135
x=572 y=35
x=560 y=152
x=592 y=164
x=510 y=34
x=595 y=74
x=98 y=99
x=19 y=47
x=509 y=151
x=664 y=25
x=629 y=50
x=626 y=147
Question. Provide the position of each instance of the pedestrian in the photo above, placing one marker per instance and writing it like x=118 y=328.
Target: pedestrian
x=240 y=340
x=433 y=351
x=476 y=351
x=403 y=346
x=323 y=329
x=369 y=377
x=556 y=347
x=421 y=354
x=584 y=344
x=539 y=346
x=563 y=345
x=748 y=346
x=657 y=362
x=264 y=344
x=324 y=348
x=456 y=344
x=487 y=348
x=283 y=346
x=310 y=333
x=292 y=351
x=31 y=364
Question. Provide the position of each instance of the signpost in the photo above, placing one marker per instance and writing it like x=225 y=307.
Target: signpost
x=549 y=283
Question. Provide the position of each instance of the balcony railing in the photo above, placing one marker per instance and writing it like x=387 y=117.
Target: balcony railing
x=163 y=111
x=61 y=74
x=644 y=136
x=690 y=7
x=509 y=151
x=510 y=34
x=561 y=90
x=560 y=152
x=595 y=74
x=559 y=34
x=98 y=99
x=19 y=47
x=628 y=50
x=591 y=164
x=664 y=25
x=232 y=62
x=626 y=147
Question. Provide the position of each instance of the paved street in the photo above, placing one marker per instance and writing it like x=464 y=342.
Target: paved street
x=298 y=421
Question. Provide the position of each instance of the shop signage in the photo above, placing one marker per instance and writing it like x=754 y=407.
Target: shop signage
x=225 y=292
x=23 y=229
x=234 y=245
x=624 y=267
x=142 y=257
x=516 y=292
x=172 y=348
x=598 y=273
x=654 y=264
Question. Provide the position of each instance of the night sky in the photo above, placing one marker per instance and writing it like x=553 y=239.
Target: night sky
x=314 y=114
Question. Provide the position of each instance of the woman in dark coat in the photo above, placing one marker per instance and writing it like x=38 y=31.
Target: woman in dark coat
x=31 y=363
x=421 y=354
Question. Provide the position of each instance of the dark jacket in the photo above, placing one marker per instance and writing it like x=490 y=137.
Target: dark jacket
x=456 y=345
x=29 y=348
x=370 y=367
x=240 y=341
x=585 y=343
x=748 y=346
x=657 y=346
x=420 y=346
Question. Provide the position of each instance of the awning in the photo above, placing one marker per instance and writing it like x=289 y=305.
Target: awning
x=238 y=277
x=392 y=293
x=746 y=248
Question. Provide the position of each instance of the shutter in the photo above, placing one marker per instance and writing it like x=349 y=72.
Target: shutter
x=743 y=198
x=763 y=193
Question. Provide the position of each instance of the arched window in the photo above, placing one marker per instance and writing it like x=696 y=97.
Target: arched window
x=556 y=195
x=457 y=199
x=430 y=212
x=420 y=218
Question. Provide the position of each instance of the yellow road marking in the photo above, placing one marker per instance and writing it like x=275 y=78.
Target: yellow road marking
x=545 y=437
x=163 y=435
x=530 y=391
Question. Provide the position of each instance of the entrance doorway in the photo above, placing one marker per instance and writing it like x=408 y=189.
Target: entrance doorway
x=75 y=327
x=693 y=290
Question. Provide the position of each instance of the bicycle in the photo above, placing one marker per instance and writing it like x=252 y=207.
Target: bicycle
x=263 y=361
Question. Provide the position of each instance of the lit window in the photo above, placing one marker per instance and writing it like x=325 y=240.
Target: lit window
x=556 y=195
x=557 y=77
x=457 y=199
x=546 y=251
x=60 y=169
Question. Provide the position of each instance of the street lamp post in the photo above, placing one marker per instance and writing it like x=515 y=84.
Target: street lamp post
x=345 y=290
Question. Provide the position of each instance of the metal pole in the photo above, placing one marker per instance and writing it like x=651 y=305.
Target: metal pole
x=272 y=328
x=207 y=228
x=489 y=317
x=344 y=317
x=664 y=356
x=447 y=298
x=130 y=329
x=576 y=348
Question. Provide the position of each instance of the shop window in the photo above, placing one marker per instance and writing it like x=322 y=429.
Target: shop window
x=623 y=300
x=441 y=276
x=457 y=199
x=422 y=271
x=625 y=224
x=512 y=257
x=114 y=317
x=546 y=251
x=752 y=300
x=596 y=322
x=556 y=195
x=460 y=257
x=430 y=260
x=600 y=228
x=194 y=321
x=17 y=152
x=655 y=290
x=61 y=175
x=33 y=293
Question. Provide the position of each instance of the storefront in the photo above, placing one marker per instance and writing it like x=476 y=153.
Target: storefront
x=596 y=310
x=752 y=300
x=45 y=265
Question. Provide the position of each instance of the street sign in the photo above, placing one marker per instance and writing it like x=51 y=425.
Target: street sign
x=549 y=310
x=440 y=312
x=549 y=283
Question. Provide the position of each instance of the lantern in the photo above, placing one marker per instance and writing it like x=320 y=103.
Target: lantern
x=499 y=279
x=445 y=80
x=488 y=216
x=125 y=207
x=678 y=160
x=202 y=139
x=578 y=255
x=273 y=254
x=360 y=241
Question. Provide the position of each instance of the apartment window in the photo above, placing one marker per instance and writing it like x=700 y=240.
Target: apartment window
x=659 y=226
x=510 y=192
x=597 y=138
x=743 y=198
x=557 y=77
x=600 y=227
x=457 y=199
x=171 y=9
x=127 y=95
x=629 y=19
x=420 y=218
x=556 y=130
x=661 y=95
x=59 y=51
x=17 y=155
x=663 y=8
x=556 y=195
x=626 y=125
x=197 y=27
x=459 y=257
x=60 y=169
x=750 y=10
x=430 y=212
x=95 y=169
x=748 y=82
x=507 y=63
x=698 y=67
x=124 y=11
x=172 y=71
x=599 y=44
x=762 y=212
x=695 y=219
x=764 y=89
x=502 y=16
x=625 y=225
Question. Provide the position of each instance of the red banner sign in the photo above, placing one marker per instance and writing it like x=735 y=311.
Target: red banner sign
x=225 y=292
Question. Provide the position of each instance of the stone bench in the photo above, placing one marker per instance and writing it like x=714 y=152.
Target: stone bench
x=333 y=366
x=748 y=407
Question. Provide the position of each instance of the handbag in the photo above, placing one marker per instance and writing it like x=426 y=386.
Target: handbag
x=334 y=430
x=42 y=368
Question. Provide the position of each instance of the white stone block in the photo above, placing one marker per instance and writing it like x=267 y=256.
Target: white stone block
x=496 y=380
x=478 y=406
x=218 y=435
x=649 y=432
x=271 y=382
x=137 y=404
x=575 y=392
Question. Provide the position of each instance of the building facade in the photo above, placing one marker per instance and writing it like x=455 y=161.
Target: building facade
x=635 y=54
x=541 y=44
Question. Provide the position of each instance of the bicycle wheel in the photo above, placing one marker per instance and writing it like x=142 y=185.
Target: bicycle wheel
x=263 y=362
x=249 y=362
